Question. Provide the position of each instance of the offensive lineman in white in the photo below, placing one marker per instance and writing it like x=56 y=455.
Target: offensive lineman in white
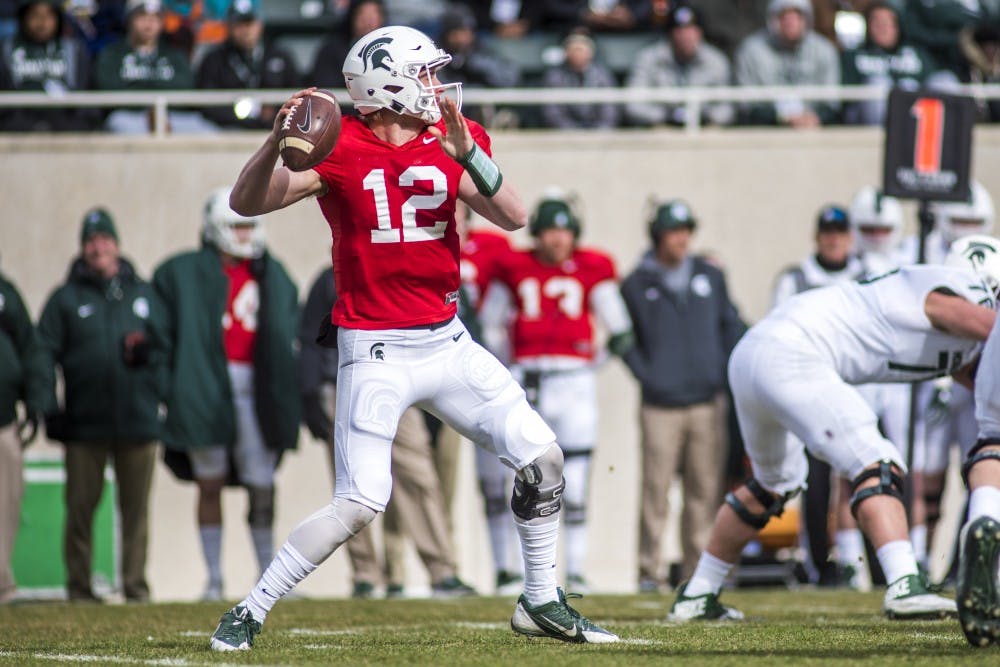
x=979 y=559
x=792 y=373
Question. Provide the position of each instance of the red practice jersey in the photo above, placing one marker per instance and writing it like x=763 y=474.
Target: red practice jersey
x=482 y=252
x=553 y=302
x=391 y=210
x=239 y=322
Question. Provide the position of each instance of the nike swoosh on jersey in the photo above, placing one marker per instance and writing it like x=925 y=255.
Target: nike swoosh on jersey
x=428 y=140
x=307 y=121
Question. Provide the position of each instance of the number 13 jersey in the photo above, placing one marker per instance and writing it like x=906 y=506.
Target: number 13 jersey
x=391 y=211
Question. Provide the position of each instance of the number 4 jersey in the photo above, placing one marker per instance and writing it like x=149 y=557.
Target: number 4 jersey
x=877 y=330
x=554 y=305
x=391 y=211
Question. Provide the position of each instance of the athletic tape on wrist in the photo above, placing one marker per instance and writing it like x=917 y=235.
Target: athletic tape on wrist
x=484 y=172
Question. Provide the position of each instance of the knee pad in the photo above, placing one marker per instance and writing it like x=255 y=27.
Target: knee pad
x=524 y=430
x=890 y=483
x=261 y=506
x=773 y=506
x=979 y=453
x=538 y=486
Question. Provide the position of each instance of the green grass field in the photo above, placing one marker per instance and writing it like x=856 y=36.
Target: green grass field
x=783 y=628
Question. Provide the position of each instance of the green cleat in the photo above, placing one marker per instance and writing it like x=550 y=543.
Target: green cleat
x=559 y=621
x=701 y=608
x=978 y=588
x=907 y=598
x=236 y=630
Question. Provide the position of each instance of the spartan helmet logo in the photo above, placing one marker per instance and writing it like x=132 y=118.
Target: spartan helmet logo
x=376 y=352
x=375 y=54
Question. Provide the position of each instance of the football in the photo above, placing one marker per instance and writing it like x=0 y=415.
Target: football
x=309 y=132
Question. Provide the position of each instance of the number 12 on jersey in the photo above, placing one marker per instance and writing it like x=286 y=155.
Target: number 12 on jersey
x=409 y=232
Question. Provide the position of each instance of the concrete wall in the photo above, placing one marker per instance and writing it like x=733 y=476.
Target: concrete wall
x=755 y=193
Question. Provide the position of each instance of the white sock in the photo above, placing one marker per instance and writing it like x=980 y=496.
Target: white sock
x=538 y=548
x=897 y=560
x=984 y=501
x=850 y=547
x=287 y=569
x=263 y=546
x=576 y=547
x=918 y=538
x=708 y=577
x=211 y=548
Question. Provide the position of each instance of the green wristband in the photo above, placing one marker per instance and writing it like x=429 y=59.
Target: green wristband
x=484 y=172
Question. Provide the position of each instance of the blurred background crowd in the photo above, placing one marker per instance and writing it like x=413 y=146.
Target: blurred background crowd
x=58 y=46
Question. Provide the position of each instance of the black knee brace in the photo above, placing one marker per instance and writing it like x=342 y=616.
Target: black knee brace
x=261 y=506
x=534 y=496
x=977 y=454
x=773 y=506
x=890 y=483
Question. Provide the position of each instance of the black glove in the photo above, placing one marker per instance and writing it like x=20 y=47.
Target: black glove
x=135 y=349
x=317 y=420
x=27 y=428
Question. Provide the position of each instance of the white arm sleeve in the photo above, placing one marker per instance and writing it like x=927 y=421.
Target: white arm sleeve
x=494 y=318
x=607 y=303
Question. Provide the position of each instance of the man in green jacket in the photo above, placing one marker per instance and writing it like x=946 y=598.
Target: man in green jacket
x=233 y=404
x=98 y=328
x=22 y=379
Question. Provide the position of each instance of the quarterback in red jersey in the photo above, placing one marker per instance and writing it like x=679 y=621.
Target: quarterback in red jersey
x=550 y=296
x=389 y=191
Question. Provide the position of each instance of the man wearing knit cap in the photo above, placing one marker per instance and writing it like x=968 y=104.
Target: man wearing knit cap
x=98 y=328
x=788 y=52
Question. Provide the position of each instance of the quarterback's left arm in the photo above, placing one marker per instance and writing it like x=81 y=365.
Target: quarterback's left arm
x=482 y=186
x=609 y=307
x=953 y=314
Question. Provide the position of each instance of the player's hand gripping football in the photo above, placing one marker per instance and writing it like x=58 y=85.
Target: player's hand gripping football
x=458 y=141
x=279 y=118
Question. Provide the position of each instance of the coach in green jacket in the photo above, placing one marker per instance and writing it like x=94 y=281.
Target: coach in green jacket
x=233 y=404
x=98 y=328
x=22 y=379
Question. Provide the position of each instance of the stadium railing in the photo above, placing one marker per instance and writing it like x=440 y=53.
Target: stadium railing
x=693 y=98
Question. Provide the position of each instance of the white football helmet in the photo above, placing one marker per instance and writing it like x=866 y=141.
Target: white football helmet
x=981 y=253
x=956 y=219
x=217 y=228
x=871 y=210
x=391 y=68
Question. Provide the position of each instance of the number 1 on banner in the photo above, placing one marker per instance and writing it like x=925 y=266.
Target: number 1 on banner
x=929 y=113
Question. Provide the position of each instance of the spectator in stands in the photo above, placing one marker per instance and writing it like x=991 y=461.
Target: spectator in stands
x=981 y=48
x=936 y=25
x=100 y=328
x=142 y=62
x=244 y=61
x=362 y=17
x=96 y=22
x=472 y=63
x=886 y=59
x=597 y=15
x=685 y=327
x=39 y=59
x=788 y=53
x=425 y=15
x=417 y=507
x=728 y=22
x=233 y=404
x=680 y=59
x=8 y=18
x=22 y=380
x=579 y=70
x=192 y=25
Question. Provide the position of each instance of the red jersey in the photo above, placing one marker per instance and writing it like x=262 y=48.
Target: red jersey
x=391 y=210
x=482 y=252
x=239 y=322
x=553 y=302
